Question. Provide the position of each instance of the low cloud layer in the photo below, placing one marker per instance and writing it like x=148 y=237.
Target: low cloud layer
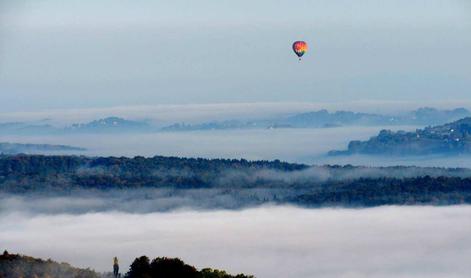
x=137 y=200
x=292 y=145
x=283 y=144
x=382 y=242
x=325 y=173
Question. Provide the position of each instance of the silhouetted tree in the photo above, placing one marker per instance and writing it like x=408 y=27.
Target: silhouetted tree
x=171 y=267
x=164 y=267
x=140 y=268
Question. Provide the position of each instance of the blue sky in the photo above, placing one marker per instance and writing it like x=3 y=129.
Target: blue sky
x=81 y=54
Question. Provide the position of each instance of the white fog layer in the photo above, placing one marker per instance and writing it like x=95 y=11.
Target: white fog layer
x=381 y=242
x=304 y=145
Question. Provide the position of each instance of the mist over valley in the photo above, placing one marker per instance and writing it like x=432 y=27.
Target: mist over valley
x=235 y=139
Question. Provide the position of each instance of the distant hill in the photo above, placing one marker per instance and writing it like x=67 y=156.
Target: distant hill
x=105 y=125
x=325 y=119
x=110 y=124
x=451 y=138
x=16 y=148
x=431 y=116
x=422 y=116
x=215 y=125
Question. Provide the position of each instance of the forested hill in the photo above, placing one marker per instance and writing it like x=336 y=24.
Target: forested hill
x=234 y=183
x=37 y=172
x=452 y=138
x=19 y=266
x=40 y=172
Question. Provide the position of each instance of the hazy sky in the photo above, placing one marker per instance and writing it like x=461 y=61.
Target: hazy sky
x=62 y=54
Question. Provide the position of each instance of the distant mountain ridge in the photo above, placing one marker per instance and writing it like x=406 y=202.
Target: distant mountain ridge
x=324 y=118
x=421 y=116
x=105 y=125
x=110 y=124
x=315 y=119
x=451 y=138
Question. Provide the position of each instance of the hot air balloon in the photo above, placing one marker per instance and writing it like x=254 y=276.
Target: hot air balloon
x=299 y=47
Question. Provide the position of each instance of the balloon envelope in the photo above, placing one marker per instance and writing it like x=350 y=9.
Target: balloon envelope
x=299 y=47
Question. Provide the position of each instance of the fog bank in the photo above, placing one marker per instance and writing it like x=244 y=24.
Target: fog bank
x=292 y=145
x=285 y=144
x=268 y=242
